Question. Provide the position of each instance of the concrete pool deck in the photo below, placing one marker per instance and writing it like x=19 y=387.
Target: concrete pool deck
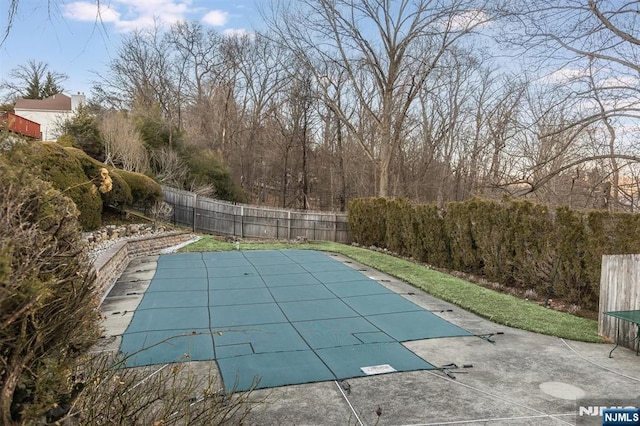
x=522 y=378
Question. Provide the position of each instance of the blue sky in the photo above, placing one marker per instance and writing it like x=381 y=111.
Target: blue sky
x=66 y=34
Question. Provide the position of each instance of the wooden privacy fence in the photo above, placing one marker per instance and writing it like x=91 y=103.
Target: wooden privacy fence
x=619 y=291
x=246 y=221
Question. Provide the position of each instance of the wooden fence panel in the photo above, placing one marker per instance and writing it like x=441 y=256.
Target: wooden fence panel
x=183 y=203
x=619 y=291
x=247 y=221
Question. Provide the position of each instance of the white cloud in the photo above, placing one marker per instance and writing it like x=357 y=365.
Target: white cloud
x=235 y=32
x=216 y=18
x=564 y=75
x=605 y=78
x=469 y=19
x=621 y=81
x=85 y=11
x=137 y=14
x=155 y=6
x=129 y=15
x=145 y=21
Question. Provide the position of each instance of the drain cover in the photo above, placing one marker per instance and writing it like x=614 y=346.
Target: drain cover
x=562 y=390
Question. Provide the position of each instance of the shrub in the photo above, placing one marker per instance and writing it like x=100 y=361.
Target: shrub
x=206 y=168
x=120 y=195
x=399 y=226
x=432 y=241
x=79 y=176
x=367 y=221
x=67 y=141
x=179 y=395
x=53 y=163
x=491 y=235
x=83 y=128
x=155 y=131
x=463 y=247
x=145 y=191
x=47 y=303
x=571 y=245
x=50 y=321
x=518 y=243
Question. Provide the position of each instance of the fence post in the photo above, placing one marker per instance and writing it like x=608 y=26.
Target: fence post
x=235 y=216
x=241 y=221
x=195 y=211
x=335 y=228
x=289 y=225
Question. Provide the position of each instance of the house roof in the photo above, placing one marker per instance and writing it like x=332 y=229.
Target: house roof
x=58 y=102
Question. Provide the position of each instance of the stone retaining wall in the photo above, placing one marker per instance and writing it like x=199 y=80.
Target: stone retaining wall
x=110 y=264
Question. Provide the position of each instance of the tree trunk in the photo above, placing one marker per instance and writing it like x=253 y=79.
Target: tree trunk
x=11 y=379
x=284 y=176
x=305 y=172
x=342 y=196
x=383 y=180
x=386 y=153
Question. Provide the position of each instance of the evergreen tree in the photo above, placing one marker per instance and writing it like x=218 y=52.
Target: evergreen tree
x=83 y=128
x=33 y=87
x=34 y=80
x=51 y=86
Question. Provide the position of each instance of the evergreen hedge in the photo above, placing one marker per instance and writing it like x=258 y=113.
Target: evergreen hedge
x=76 y=175
x=55 y=164
x=144 y=190
x=556 y=252
x=120 y=195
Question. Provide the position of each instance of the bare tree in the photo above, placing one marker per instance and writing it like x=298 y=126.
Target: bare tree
x=33 y=80
x=143 y=75
x=201 y=53
x=444 y=126
x=394 y=45
x=486 y=89
x=262 y=67
x=13 y=6
x=333 y=132
x=171 y=169
x=199 y=57
x=590 y=48
x=13 y=9
x=123 y=146
x=293 y=116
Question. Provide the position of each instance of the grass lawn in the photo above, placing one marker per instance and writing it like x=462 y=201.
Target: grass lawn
x=497 y=307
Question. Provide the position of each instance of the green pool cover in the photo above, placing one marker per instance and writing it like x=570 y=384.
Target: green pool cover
x=276 y=317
